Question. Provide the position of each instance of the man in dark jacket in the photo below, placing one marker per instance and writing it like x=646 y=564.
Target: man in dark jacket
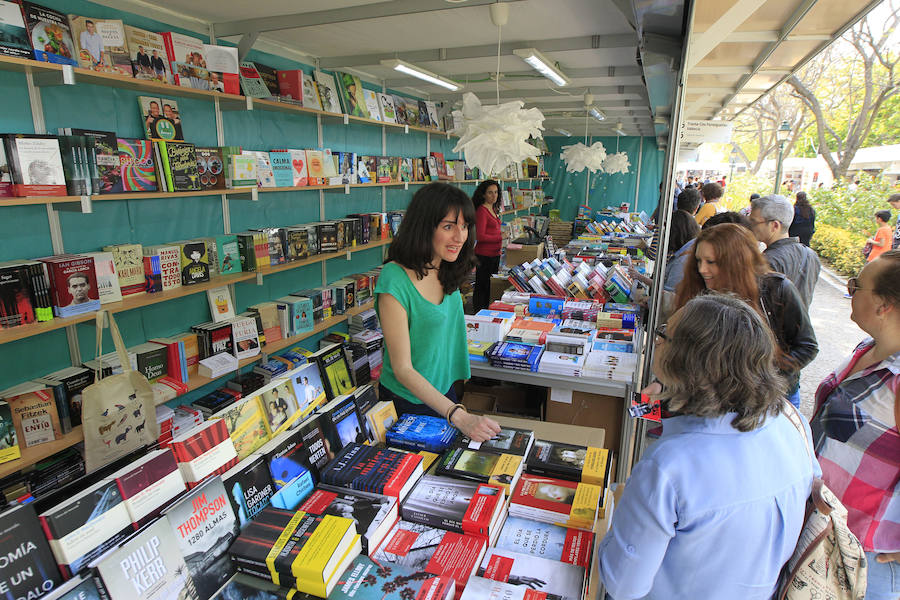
x=770 y=218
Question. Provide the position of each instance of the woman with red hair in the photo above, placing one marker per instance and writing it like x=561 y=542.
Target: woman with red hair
x=726 y=258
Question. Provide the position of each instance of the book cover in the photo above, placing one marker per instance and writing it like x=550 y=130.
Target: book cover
x=243 y=170
x=365 y=579
x=182 y=48
x=35 y=164
x=405 y=169
x=249 y=488
x=203 y=451
x=477 y=465
x=412 y=110
x=169 y=262
x=137 y=166
x=371 y=100
x=15 y=40
x=77 y=167
x=400 y=110
x=252 y=83
x=34 y=416
x=373 y=469
x=50 y=34
x=569 y=461
x=386 y=104
x=328 y=92
x=510 y=440
x=180 y=162
x=421 y=432
x=315 y=446
x=431 y=111
x=373 y=514
x=310 y=91
x=227 y=254
x=478 y=588
x=247 y=425
x=16 y=306
x=107 y=279
x=383 y=169
x=342 y=423
x=455 y=505
x=211 y=168
x=222 y=64
x=288 y=458
x=194 y=263
x=147 y=52
x=83 y=527
x=335 y=371
x=562 y=580
x=27 y=569
x=299 y=173
x=101 y=45
x=129 y=262
x=380 y=418
x=161 y=118
x=148 y=484
x=352 y=97
x=558 y=501
x=73 y=282
x=265 y=178
x=81 y=587
x=147 y=566
x=9 y=445
x=282 y=168
x=221 y=307
x=205 y=525
x=553 y=542
x=280 y=405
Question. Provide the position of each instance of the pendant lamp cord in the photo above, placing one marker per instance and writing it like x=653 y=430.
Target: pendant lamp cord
x=497 y=78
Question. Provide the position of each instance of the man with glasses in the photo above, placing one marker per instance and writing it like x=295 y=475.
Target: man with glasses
x=770 y=220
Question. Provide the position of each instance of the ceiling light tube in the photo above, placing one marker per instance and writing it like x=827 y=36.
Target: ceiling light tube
x=618 y=129
x=420 y=73
x=597 y=114
x=564 y=132
x=542 y=65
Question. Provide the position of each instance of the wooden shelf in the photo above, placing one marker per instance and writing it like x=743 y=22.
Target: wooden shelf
x=323 y=257
x=34 y=454
x=512 y=212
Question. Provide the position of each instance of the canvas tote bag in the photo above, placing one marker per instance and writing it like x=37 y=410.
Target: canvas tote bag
x=118 y=413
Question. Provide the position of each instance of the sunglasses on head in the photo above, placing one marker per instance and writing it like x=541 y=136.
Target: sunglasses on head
x=852 y=286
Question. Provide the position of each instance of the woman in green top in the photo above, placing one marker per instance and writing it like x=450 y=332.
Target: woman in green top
x=420 y=308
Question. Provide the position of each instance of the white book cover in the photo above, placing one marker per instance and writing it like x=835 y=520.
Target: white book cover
x=432 y=114
x=386 y=104
x=372 y=104
x=328 y=93
x=328 y=163
x=169 y=265
x=479 y=588
x=311 y=93
x=298 y=164
x=184 y=48
x=204 y=465
x=39 y=161
x=563 y=581
x=220 y=305
x=246 y=337
x=107 y=278
x=264 y=175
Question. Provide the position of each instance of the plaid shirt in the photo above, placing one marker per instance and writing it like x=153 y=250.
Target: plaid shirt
x=858 y=446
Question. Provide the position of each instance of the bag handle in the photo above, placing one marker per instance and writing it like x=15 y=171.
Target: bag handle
x=117 y=342
x=816 y=494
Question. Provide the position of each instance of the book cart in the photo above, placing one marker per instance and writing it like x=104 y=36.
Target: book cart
x=41 y=79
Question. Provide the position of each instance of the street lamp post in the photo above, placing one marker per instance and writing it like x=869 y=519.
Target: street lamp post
x=732 y=162
x=781 y=135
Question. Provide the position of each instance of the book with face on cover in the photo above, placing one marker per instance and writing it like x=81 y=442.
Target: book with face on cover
x=147 y=51
x=101 y=45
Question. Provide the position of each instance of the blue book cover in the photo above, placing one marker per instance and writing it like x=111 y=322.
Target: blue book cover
x=516 y=352
x=304 y=314
x=294 y=491
x=282 y=168
x=421 y=432
x=545 y=306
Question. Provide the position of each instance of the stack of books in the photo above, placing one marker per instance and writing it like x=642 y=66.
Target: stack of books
x=514 y=355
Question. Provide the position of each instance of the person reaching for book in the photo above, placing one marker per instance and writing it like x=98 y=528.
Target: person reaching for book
x=421 y=313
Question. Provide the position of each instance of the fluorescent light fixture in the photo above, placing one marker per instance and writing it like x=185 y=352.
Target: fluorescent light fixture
x=564 y=132
x=619 y=129
x=597 y=114
x=542 y=65
x=420 y=73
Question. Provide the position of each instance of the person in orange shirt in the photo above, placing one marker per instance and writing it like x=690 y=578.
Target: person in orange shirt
x=881 y=243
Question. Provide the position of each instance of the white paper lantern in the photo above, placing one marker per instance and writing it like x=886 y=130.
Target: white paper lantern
x=616 y=163
x=494 y=137
x=579 y=157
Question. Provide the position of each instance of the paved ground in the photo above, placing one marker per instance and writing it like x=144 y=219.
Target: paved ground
x=836 y=333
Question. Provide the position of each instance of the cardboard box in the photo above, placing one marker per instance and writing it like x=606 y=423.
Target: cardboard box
x=589 y=410
x=478 y=403
x=498 y=286
x=519 y=406
x=544 y=430
x=525 y=254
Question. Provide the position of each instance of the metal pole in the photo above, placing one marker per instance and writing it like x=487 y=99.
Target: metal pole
x=779 y=167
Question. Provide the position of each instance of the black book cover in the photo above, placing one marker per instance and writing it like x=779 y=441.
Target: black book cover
x=318 y=450
x=343 y=425
x=249 y=487
x=333 y=367
x=346 y=465
x=194 y=263
x=440 y=502
x=327 y=236
x=73 y=149
x=510 y=440
x=28 y=569
x=15 y=297
x=367 y=510
x=286 y=457
x=181 y=160
x=556 y=459
x=269 y=77
x=365 y=398
x=105 y=156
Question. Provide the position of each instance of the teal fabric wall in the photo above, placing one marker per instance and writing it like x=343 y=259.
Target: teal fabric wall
x=568 y=189
x=25 y=230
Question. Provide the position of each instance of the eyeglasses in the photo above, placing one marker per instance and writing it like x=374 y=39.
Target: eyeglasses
x=761 y=222
x=661 y=333
x=852 y=286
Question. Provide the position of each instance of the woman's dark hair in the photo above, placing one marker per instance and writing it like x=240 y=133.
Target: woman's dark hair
x=727 y=217
x=481 y=190
x=884 y=215
x=412 y=246
x=689 y=200
x=887 y=284
x=683 y=229
x=803 y=206
x=737 y=350
x=754 y=196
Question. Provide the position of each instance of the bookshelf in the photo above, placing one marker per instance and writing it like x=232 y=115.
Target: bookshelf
x=35 y=454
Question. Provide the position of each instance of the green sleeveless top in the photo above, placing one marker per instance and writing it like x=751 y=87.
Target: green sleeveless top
x=437 y=334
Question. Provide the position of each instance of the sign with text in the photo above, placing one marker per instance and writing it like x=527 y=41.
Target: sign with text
x=698 y=132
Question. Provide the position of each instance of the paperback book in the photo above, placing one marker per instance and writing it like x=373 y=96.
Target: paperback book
x=421 y=432
x=147 y=52
x=148 y=484
x=372 y=469
x=557 y=501
x=137 y=166
x=478 y=465
x=249 y=487
x=161 y=118
x=365 y=579
x=35 y=165
x=455 y=505
x=561 y=580
x=342 y=423
x=211 y=168
x=510 y=440
x=50 y=35
x=28 y=569
x=525 y=536
x=373 y=514
x=569 y=461
x=289 y=469
x=15 y=40
x=180 y=166
x=328 y=92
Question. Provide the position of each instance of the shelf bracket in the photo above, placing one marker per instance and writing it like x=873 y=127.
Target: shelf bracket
x=66 y=76
x=83 y=205
x=248 y=193
x=346 y=119
x=259 y=278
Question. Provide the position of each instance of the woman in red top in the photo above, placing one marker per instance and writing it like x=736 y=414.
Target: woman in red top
x=488 y=246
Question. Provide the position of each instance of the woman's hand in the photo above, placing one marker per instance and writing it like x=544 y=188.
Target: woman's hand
x=634 y=274
x=888 y=557
x=475 y=427
x=653 y=389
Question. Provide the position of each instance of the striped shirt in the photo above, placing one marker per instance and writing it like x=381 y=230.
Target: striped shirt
x=858 y=446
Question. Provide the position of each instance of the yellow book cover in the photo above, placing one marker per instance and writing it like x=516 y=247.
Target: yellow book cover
x=505 y=471
x=247 y=424
x=584 y=506
x=280 y=543
x=9 y=446
x=596 y=467
x=310 y=564
x=428 y=459
x=280 y=406
x=381 y=417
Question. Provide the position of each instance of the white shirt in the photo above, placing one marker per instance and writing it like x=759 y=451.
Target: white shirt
x=93 y=43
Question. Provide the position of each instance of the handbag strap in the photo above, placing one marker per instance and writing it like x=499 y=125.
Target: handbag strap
x=816 y=494
x=117 y=342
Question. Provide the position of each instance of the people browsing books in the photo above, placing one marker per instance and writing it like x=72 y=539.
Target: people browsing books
x=489 y=240
x=733 y=518
x=420 y=308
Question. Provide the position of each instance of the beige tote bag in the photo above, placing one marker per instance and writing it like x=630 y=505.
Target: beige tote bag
x=118 y=413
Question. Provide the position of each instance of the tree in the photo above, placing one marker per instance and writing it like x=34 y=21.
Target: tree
x=861 y=77
x=754 y=131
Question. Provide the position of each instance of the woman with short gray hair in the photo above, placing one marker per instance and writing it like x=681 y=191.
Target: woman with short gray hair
x=714 y=508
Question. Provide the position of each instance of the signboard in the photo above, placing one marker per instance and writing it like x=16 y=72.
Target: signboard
x=698 y=132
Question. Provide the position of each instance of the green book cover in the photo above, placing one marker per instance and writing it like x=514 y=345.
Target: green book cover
x=228 y=254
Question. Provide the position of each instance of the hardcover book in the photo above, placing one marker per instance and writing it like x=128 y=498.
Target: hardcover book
x=129 y=262
x=148 y=484
x=211 y=168
x=282 y=168
x=372 y=469
x=386 y=104
x=35 y=165
x=84 y=527
x=249 y=488
x=569 y=461
x=101 y=45
x=137 y=166
x=185 y=49
x=221 y=62
x=147 y=566
x=556 y=501
x=352 y=97
x=280 y=404
x=371 y=100
x=147 y=52
x=342 y=423
x=180 y=165
x=161 y=118
x=15 y=40
x=563 y=581
x=553 y=542
x=205 y=526
x=365 y=579
x=477 y=465
x=328 y=92
x=455 y=505
x=421 y=432
x=50 y=35
x=400 y=110
x=194 y=263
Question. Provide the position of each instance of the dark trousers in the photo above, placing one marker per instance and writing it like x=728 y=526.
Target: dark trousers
x=405 y=407
x=487 y=266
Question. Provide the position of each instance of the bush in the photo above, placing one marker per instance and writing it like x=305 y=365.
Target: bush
x=739 y=188
x=841 y=248
x=852 y=211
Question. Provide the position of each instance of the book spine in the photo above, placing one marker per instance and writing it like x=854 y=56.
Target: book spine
x=101 y=587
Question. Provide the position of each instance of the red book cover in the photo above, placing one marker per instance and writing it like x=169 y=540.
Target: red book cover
x=545 y=493
x=203 y=451
x=482 y=507
x=173 y=357
x=441 y=165
x=148 y=484
x=290 y=83
x=73 y=283
x=401 y=474
x=457 y=556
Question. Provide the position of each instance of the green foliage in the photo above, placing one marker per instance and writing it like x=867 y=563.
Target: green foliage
x=839 y=247
x=853 y=211
x=739 y=188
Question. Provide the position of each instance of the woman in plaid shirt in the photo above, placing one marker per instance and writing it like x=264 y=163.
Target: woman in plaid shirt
x=855 y=426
